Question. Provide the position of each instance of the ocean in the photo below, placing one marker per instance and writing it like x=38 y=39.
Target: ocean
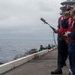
x=9 y=48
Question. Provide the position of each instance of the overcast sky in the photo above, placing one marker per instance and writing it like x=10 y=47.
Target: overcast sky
x=20 y=19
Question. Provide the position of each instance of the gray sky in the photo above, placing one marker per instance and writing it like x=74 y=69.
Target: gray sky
x=20 y=19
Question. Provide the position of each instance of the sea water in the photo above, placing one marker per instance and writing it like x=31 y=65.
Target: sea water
x=9 y=48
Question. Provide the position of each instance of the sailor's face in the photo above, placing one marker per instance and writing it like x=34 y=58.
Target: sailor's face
x=73 y=14
x=70 y=12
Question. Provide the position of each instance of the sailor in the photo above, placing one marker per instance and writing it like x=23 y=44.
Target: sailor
x=67 y=20
x=71 y=44
x=66 y=23
x=62 y=47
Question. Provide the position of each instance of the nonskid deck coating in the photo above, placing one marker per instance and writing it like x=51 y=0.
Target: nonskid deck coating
x=40 y=66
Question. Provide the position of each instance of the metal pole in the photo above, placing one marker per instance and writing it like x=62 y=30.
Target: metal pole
x=54 y=38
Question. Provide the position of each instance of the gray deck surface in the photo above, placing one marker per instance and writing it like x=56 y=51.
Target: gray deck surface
x=40 y=66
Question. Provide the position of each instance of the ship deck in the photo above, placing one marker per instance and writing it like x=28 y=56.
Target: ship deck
x=39 y=66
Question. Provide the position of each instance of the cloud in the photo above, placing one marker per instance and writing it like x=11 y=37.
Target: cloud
x=22 y=17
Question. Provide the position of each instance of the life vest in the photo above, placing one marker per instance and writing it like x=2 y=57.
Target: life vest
x=65 y=25
x=59 y=21
x=70 y=25
x=71 y=29
x=62 y=29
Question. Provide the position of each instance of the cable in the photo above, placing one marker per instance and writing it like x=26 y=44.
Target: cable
x=54 y=38
x=43 y=20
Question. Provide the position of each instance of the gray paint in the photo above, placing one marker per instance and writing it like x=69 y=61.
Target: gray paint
x=70 y=0
x=73 y=0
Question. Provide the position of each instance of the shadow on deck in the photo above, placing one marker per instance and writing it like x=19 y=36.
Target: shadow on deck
x=39 y=66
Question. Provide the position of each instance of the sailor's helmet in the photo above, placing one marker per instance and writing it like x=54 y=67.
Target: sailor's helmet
x=66 y=8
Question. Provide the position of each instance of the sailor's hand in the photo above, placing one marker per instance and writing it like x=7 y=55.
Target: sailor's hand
x=65 y=34
x=55 y=31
